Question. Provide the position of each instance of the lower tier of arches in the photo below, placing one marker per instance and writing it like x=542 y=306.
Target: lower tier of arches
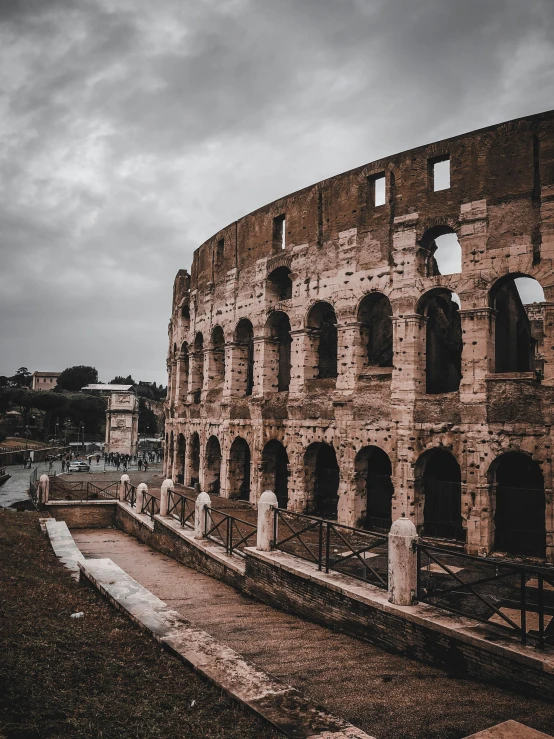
x=487 y=490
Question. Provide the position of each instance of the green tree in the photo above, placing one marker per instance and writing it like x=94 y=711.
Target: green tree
x=22 y=378
x=119 y=380
x=75 y=378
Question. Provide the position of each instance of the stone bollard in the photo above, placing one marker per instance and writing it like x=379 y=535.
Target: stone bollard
x=141 y=489
x=402 y=562
x=167 y=485
x=123 y=486
x=265 y=532
x=43 y=489
x=202 y=502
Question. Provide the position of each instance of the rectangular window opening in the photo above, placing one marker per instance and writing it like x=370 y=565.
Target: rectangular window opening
x=279 y=238
x=439 y=171
x=377 y=189
x=220 y=251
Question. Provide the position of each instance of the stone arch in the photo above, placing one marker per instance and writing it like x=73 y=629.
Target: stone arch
x=443 y=343
x=180 y=459
x=516 y=338
x=322 y=325
x=275 y=471
x=375 y=319
x=373 y=475
x=438 y=482
x=217 y=346
x=277 y=361
x=439 y=251
x=517 y=487
x=212 y=468
x=244 y=343
x=194 y=473
x=239 y=469
x=279 y=284
x=321 y=479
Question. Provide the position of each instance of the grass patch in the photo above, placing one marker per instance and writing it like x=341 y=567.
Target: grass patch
x=97 y=676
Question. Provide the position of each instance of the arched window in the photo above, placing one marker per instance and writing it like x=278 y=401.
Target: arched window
x=239 y=469
x=516 y=299
x=194 y=474
x=374 y=317
x=520 y=516
x=322 y=321
x=244 y=339
x=280 y=284
x=278 y=361
x=198 y=368
x=322 y=477
x=442 y=488
x=218 y=350
x=180 y=461
x=443 y=345
x=373 y=482
x=440 y=252
x=212 y=481
x=275 y=471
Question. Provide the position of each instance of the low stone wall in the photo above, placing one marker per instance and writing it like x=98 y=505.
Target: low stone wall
x=97 y=514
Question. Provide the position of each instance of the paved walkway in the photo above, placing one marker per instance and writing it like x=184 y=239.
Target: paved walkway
x=386 y=695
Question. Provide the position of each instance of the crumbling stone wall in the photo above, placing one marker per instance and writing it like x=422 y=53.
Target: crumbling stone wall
x=337 y=247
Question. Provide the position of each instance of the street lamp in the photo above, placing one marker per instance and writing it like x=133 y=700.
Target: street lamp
x=82 y=428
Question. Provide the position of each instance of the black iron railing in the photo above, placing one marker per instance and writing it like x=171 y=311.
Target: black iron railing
x=516 y=597
x=181 y=507
x=81 y=490
x=331 y=546
x=130 y=494
x=233 y=534
x=150 y=505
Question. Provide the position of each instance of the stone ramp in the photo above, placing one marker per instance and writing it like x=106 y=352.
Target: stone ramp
x=385 y=694
x=64 y=545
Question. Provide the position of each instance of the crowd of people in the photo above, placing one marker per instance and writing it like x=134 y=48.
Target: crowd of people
x=120 y=461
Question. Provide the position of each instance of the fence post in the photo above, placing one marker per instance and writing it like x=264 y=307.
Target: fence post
x=267 y=528
x=44 y=489
x=166 y=486
x=202 y=502
x=402 y=562
x=141 y=489
x=123 y=486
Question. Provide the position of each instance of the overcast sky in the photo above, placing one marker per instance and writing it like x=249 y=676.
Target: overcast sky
x=132 y=130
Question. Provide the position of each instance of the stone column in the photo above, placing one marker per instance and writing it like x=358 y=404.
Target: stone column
x=402 y=563
x=350 y=355
x=124 y=481
x=202 y=502
x=408 y=376
x=43 y=489
x=167 y=485
x=265 y=531
x=266 y=362
x=477 y=362
x=303 y=359
x=141 y=489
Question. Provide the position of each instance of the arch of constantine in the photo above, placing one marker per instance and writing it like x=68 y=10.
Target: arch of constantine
x=382 y=343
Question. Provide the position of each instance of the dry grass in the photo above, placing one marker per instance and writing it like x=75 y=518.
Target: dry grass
x=92 y=677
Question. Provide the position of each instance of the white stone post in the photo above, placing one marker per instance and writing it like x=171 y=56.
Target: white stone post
x=167 y=485
x=141 y=489
x=123 y=486
x=43 y=489
x=264 y=535
x=202 y=502
x=402 y=562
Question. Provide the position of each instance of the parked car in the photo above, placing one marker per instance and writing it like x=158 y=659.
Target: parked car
x=79 y=466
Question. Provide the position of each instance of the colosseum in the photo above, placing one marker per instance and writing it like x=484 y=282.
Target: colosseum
x=382 y=344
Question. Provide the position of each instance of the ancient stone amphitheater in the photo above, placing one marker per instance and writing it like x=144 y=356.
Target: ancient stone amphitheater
x=374 y=345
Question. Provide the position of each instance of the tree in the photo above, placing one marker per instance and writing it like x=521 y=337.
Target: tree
x=75 y=378
x=22 y=377
x=119 y=380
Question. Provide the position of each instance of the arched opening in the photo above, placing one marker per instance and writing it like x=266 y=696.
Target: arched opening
x=322 y=477
x=184 y=372
x=440 y=252
x=278 y=361
x=373 y=481
x=218 y=353
x=239 y=469
x=212 y=481
x=520 y=516
x=244 y=339
x=194 y=475
x=280 y=284
x=442 y=488
x=322 y=323
x=180 y=461
x=516 y=299
x=443 y=342
x=374 y=317
x=275 y=471
x=198 y=369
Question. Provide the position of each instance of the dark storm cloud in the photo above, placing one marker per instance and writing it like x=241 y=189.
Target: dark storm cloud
x=130 y=131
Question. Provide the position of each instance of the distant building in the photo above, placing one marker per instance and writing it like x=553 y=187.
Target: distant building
x=44 y=380
x=121 y=417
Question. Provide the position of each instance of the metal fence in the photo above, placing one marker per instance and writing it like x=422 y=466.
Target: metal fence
x=232 y=533
x=150 y=505
x=81 y=490
x=355 y=552
x=130 y=494
x=181 y=507
x=516 y=597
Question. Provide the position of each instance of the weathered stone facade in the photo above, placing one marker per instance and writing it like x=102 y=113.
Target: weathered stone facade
x=316 y=350
x=122 y=423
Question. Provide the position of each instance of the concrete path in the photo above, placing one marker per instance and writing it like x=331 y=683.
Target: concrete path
x=386 y=695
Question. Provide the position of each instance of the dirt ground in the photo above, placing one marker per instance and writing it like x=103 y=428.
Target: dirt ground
x=96 y=676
